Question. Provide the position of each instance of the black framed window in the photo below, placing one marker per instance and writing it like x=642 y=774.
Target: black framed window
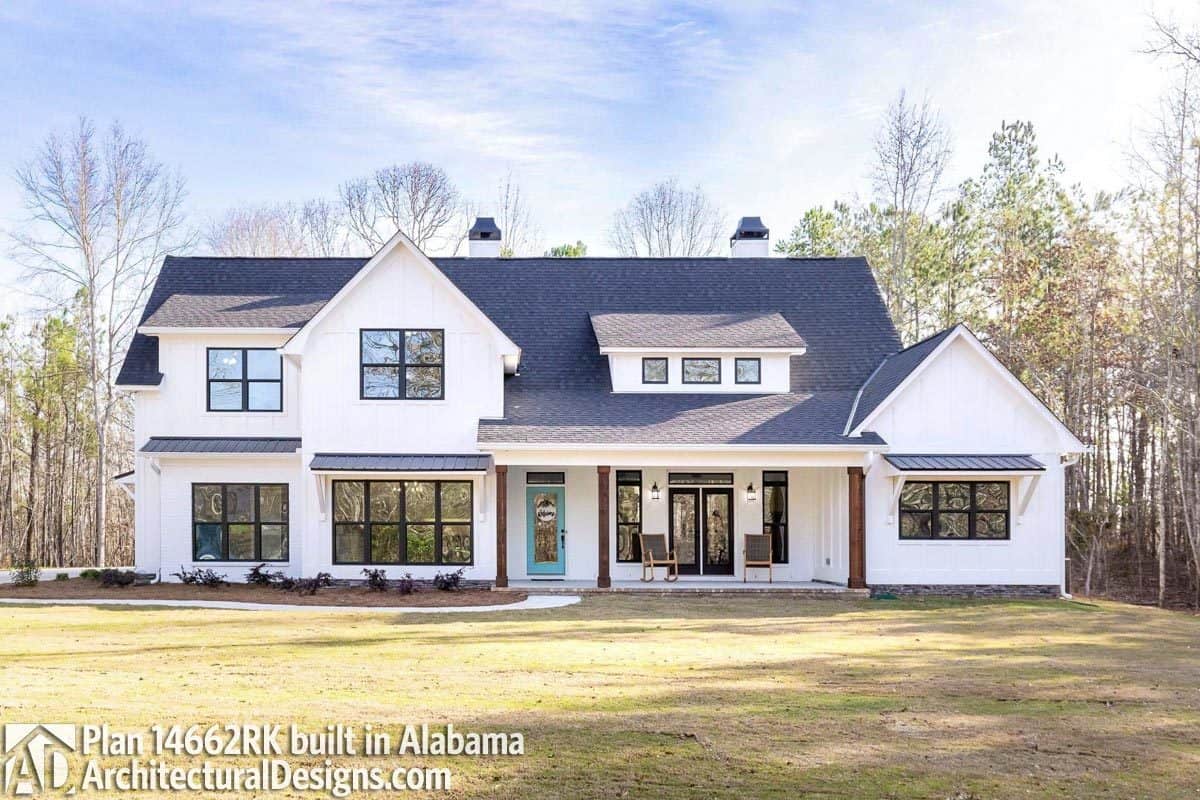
x=654 y=370
x=954 y=510
x=747 y=370
x=399 y=364
x=245 y=379
x=403 y=522
x=775 y=513
x=700 y=478
x=701 y=370
x=545 y=478
x=629 y=515
x=239 y=522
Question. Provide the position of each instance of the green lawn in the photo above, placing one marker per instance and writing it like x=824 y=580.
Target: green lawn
x=672 y=697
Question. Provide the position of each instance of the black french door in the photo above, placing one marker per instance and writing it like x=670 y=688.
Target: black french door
x=702 y=530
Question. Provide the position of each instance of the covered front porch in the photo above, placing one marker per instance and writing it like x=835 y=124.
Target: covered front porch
x=562 y=525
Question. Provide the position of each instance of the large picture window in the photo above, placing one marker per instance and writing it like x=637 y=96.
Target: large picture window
x=775 y=513
x=239 y=522
x=402 y=364
x=701 y=370
x=245 y=379
x=954 y=510
x=629 y=515
x=403 y=522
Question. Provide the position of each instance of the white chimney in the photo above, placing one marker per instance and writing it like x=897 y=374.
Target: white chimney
x=752 y=239
x=483 y=240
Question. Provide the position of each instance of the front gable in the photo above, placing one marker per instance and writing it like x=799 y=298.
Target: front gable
x=960 y=398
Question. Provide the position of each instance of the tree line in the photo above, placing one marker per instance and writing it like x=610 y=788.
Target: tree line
x=1092 y=300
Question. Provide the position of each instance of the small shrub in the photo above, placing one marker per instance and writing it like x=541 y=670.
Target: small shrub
x=199 y=577
x=26 y=573
x=406 y=585
x=62 y=576
x=258 y=576
x=376 y=579
x=285 y=583
x=449 y=581
x=116 y=577
x=309 y=586
x=90 y=574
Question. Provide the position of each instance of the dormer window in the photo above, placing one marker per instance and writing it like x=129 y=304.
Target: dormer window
x=701 y=370
x=402 y=364
x=747 y=370
x=654 y=370
x=245 y=379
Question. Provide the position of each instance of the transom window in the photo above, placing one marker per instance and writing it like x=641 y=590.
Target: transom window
x=954 y=510
x=239 y=522
x=245 y=379
x=775 y=513
x=701 y=370
x=654 y=370
x=402 y=522
x=402 y=364
x=629 y=515
x=747 y=370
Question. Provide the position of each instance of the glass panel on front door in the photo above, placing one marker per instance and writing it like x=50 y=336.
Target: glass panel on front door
x=683 y=527
x=717 y=558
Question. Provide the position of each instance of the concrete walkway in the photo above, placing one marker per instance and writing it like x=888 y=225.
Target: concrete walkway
x=531 y=603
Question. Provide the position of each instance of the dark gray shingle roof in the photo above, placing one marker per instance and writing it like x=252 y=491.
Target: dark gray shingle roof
x=400 y=462
x=762 y=330
x=257 y=445
x=965 y=463
x=563 y=393
x=891 y=372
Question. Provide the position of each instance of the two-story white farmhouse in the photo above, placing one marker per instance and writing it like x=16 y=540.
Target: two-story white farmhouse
x=527 y=418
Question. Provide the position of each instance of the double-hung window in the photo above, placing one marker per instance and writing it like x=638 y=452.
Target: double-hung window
x=954 y=510
x=402 y=522
x=402 y=364
x=245 y=379
x=629 y=515
x=239 y=522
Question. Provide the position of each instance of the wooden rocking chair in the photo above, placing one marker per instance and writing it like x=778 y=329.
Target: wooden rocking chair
x=758 y=554
x=656 y=553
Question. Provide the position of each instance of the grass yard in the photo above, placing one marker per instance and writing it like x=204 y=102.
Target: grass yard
x=675 y=697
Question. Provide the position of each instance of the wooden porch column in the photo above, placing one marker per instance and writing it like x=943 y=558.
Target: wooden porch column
x=603 y=581
x=858 y=529
x=501 y=526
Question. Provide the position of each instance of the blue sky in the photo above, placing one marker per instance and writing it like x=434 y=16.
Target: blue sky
x=770 y=106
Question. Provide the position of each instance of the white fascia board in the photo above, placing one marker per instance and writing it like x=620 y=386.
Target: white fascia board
x=488 y=447
x=148 y=387
x=1071 y=441
x=750 y=351
x=996 y=474
x=159 y=330
x=410 y=474
x=221 y=456
x=295 y=345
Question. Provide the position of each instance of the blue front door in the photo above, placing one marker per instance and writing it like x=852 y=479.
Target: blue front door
x=545 y=522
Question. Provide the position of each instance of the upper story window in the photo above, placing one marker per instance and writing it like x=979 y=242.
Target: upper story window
x=245 y=379
x=747 y=370
x=402 y=364
x=701 y=370
x=654 y=370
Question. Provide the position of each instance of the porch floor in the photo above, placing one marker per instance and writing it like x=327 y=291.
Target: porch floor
x=686 y=584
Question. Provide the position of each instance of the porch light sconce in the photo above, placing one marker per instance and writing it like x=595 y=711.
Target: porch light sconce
x=751 y=493
x=655 y=494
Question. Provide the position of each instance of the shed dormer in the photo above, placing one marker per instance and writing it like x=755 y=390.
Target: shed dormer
x=748 y=353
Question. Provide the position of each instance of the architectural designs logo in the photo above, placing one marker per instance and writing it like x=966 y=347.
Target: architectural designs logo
x=35 y=757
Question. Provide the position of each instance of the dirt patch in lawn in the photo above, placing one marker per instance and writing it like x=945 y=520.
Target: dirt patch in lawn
x=84 y=589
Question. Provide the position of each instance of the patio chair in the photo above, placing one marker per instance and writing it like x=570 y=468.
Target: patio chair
x=657 y=553
x=758 y=554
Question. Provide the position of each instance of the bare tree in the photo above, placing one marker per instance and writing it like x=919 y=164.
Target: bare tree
x=102 y=214
x=911 y=152
x=417 y=198
x=520 y=234
x=285 y=229
x=668 y=220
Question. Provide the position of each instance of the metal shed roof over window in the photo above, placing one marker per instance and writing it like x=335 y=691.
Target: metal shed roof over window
x=245 y=445
x=965 y=463
x=399 y=462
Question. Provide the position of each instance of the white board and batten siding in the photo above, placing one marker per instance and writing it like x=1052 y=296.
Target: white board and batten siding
x=961 y=404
